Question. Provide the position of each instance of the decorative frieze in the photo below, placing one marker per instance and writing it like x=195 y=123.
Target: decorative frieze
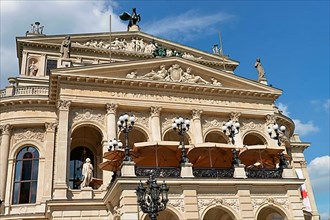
x=177 y=203
x=204 y=203
x=173 y=74
x=87 y=115
x=63 y=105
x=256 y=203
x=112 y=108
x=28 y=134
x=212 y=122
x=155 y=111
x=141 y=118
x=251 y=124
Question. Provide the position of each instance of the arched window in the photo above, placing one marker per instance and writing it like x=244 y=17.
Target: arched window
x=77 y=158
x=26 y=176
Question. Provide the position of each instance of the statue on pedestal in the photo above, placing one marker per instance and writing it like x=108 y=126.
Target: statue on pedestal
x=87 y=173
x=133 y=19
x=33 y=69
x=260 y=69
x=66 y=48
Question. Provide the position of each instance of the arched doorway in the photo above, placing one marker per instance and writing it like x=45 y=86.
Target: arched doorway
x=216 y=137
x=86 y=142
x=218 y=213
x=271 y=213
x=165 y=215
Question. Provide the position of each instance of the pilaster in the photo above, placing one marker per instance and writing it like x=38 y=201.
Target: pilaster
x=244 y=196
x=155 y=123
x=5 y=144
x=128 y=204
x=61 y=150
x=197 y=126
x=191 y=204
x=50 y=128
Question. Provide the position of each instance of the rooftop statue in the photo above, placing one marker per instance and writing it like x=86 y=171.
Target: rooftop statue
x=36 y=29
x=66 y=48
x=133 y=19
x=260 y=69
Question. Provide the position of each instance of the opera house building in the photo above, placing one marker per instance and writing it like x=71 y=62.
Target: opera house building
x=91 y=117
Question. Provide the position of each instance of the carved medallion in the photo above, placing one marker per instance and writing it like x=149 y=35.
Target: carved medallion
x=175 y=72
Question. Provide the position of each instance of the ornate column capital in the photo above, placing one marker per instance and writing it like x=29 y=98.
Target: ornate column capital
x=111 y=108
x=63 y=105
x=196 y=113
x=50 y=126
x=6 y=129
x=270 y=119
x=234 y=116
x=155 y=111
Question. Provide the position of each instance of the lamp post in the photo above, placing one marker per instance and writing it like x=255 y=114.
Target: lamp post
x=125 y=123
x=153 y=198
x=182 y=126
x=231 y=128
x=275 y=131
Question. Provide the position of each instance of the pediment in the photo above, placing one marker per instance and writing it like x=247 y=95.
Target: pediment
x=126 y=46
x=168 y=73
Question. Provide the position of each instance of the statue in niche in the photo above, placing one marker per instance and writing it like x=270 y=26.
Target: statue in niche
x=191 y=78
x=87 y=173
x=66 y=48
x=260 y=69
x=133 y=19
x=33 y=69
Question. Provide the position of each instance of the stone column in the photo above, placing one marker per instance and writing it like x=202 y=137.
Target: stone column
x=111 y=133
x=61 y=151
x=5 y=142
x=49 y=159
x=197 y=126
x=295 y=203
x=155 y=123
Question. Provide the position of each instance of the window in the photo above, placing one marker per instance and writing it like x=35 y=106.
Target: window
x=51 y=64
x=77 y=158
x=26 y=176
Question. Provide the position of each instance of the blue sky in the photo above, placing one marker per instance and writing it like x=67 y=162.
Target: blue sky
x=290 y=37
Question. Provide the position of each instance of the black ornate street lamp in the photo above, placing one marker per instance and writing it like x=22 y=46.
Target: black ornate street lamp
x=182 y=126
x=236 y=161
x=114 y=145
x=231 y=128
x=153 y=198
x=125 y=124
x=275 y=131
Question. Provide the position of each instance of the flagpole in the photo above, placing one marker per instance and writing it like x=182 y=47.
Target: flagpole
x=221 y=52
x=110 y=41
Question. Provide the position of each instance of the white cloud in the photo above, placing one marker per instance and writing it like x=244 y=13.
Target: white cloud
x=188 y=25
x=319 y=171
x=284 y=108
x=305 y=128
x=58 y=17
x=326 y=105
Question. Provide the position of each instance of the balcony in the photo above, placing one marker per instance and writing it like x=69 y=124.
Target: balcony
x=24 y=91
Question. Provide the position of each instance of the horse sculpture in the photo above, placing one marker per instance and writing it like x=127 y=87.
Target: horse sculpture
x=133 y=19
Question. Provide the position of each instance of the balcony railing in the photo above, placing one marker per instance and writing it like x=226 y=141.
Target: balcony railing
x=25 y=91
x=264 y=173
x=214 y=172
x=166 y=172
